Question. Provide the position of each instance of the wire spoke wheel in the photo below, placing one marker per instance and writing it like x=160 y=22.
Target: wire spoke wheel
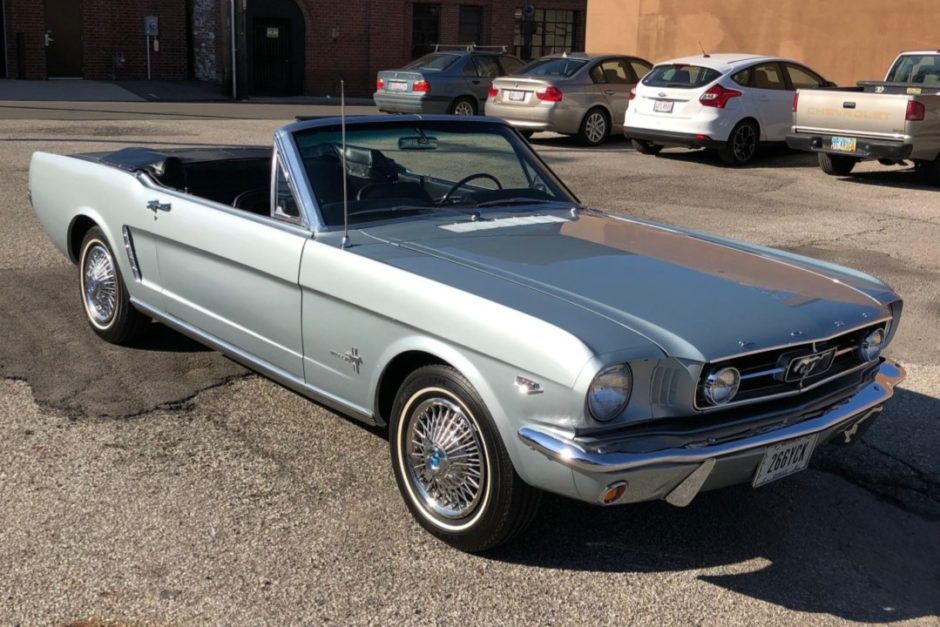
x=445 y=458
x=99 y=284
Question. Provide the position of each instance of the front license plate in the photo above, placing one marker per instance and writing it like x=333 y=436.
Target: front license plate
x=517 y=96
x=785 y=459
x=397 y=86
x=843 y=144
x=663 y=106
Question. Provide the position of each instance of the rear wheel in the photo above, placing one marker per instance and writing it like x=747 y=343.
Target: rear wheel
x=451 y=465
x=836 y=165
x=741 y=147
x=464 y=106
x=594 y=128
x=646 y=148
x=104 y=296
x=930 y=172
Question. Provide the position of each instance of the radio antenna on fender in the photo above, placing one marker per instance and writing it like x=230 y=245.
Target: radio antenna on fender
x=342 y=123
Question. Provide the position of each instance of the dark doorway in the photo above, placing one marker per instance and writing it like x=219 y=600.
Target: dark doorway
x=276 y=48
x=64 y=38
x=425 y=28
x=272 y=71
x=3 y=42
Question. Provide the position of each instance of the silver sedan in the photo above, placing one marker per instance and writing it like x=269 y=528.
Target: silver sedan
x=573 y=94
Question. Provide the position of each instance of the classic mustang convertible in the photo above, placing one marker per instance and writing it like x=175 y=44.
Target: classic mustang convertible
x=433 y=275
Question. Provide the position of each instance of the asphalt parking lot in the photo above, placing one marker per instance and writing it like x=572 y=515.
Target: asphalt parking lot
x=164 y=484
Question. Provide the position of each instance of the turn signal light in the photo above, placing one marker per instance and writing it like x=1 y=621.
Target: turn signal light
x=613 y=492
x=379 y=84
x=632 y=93
x=492 y=93
x=549 y=94
x=718 y=96
x=915 y=111
x=796 y=101
x=422 y=86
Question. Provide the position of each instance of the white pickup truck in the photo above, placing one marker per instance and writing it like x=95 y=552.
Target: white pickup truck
x=894 y=121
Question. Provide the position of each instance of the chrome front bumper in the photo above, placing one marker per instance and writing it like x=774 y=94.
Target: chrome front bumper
x=680 y=473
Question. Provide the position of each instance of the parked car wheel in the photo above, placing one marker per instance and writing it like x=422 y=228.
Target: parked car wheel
x=836 y=165
x=741 y=147
x=646 y=148
x=104 y=296
x=451 y=466
x=464 y=106
x=594 y=127
x=930 y=172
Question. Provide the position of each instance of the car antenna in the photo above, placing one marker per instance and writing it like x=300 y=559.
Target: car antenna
x=704 y=54
x=342 y=122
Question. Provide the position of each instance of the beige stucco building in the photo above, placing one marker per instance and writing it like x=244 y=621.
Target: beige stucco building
x=845 y=40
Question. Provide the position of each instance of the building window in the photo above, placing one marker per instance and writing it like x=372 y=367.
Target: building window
x=425 y=28
x=546 y=31
x=471 y=25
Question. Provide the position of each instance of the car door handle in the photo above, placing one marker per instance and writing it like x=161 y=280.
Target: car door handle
x=610 y=92
x=476 y=82
x=156 y=205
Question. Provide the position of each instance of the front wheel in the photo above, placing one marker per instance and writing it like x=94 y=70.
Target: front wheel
x=836 y=165
x=451 y=465
x=104 y=296
x=741 y=147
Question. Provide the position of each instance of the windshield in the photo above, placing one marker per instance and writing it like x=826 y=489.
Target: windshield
x=916 y=68
x=553 y=67
x=434 y=61
x=423 y=167
x=681 y=76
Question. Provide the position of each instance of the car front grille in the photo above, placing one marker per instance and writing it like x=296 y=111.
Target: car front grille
x=792 y=370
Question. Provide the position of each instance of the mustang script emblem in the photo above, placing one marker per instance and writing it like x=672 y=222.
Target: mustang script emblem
x=350 y=357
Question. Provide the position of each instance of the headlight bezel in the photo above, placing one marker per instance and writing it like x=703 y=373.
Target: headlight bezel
x=716 y=376
x=599 y=414
x=869 y=352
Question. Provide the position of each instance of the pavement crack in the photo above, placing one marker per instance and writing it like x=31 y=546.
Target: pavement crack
x=183 y=404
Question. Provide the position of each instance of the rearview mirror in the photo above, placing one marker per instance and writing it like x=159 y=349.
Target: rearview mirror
x=417 y=142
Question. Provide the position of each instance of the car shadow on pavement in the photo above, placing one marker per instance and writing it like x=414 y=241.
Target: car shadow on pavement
x=767 y=157
x=819 y=541
x=906 y=179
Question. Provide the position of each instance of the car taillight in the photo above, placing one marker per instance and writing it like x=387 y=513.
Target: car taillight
x=796 y=101
x=915 y=111
x=379 y=84
x=632 y=93
x=718 y=96
x=492 y=93
x=421 y=86
x=549 y=94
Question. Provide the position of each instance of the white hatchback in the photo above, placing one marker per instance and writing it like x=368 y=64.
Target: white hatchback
x=730 y=102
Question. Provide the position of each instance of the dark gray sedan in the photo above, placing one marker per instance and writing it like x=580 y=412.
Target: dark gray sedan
x=443 y=82
x=573 y=94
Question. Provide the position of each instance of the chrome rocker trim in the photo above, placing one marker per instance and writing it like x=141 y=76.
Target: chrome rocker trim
x=567 y=452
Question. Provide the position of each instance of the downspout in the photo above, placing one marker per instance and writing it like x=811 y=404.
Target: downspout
x=234 y=73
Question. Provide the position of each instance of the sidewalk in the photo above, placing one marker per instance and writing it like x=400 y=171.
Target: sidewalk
x=77 y=90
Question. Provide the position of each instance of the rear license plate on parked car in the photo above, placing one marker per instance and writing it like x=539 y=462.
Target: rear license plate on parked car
x=397 y=86
x=663 y=106
x=785 y=459
x=517 y=96
x=843 y=144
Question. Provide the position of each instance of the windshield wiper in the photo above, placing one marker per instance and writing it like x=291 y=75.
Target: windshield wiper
x=520 y=200
x=395 y=209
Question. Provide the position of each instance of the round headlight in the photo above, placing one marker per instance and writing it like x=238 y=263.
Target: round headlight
x=872 y=344
x=610 y=391
x=721 y=385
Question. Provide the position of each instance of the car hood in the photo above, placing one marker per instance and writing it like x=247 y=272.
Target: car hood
x=695 y=296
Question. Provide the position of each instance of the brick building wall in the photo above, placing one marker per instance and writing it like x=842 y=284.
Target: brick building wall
x=107 y=27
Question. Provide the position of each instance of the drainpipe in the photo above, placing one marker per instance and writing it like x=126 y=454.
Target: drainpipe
x=234 y=73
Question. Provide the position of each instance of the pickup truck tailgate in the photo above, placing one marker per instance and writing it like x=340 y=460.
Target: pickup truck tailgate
x=855 y=114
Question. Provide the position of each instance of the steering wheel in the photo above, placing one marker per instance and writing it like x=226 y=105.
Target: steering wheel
x=467 y=179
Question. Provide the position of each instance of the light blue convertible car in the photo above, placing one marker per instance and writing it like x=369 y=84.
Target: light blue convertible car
x=433 y=275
